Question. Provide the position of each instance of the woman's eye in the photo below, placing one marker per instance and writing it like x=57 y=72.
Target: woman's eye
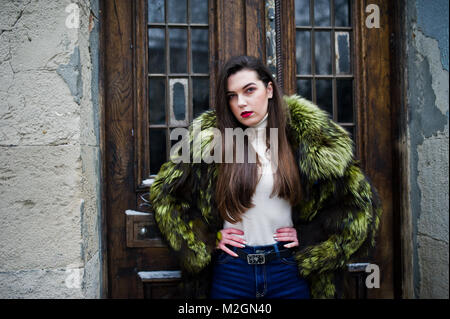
x=230 y=96
x=250 y=89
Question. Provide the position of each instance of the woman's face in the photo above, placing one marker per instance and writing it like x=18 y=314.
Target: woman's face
x=248 y=96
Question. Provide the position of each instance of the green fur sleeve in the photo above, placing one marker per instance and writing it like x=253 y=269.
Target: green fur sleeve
x=355 y=221
x=336 y=251
x=170 y=210
x=339 y=199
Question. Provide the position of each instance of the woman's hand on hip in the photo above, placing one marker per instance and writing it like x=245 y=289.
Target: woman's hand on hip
x=287 y=234
x=225 y=236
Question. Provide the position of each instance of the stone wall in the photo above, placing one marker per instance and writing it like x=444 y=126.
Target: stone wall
x=427 y=31
x=49 y=150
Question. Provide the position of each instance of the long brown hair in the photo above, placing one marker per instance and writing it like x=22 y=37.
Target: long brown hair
x=237 y=182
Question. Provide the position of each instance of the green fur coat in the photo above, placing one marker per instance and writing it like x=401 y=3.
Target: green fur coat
x=336 y=221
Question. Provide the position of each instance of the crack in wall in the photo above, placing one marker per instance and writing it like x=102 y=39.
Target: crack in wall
x=19 y=16
x=431 y=237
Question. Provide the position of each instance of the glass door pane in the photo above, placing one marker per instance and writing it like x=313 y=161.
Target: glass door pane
x=324 y=57
x=178 y=70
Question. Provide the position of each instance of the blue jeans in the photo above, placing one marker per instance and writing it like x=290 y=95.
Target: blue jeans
x=234 y=278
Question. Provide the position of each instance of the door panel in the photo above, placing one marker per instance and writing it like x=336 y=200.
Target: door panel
x=148 y=92
x=375 y=131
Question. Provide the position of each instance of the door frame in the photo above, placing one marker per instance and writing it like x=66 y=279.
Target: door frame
x=116 y=120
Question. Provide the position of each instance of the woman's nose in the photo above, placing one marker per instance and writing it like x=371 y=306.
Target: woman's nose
x=241 y=100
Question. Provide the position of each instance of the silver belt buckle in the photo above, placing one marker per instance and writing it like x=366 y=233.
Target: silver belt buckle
x=256 y=259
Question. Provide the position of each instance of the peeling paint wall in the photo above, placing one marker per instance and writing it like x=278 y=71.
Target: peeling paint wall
x=427 y=30
x=49 y=151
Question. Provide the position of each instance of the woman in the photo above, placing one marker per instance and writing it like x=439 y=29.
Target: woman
x=283 y=226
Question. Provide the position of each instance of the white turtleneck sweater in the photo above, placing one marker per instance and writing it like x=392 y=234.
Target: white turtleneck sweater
x=260 y=223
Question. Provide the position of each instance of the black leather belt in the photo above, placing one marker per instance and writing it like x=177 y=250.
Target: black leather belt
x=262 y=258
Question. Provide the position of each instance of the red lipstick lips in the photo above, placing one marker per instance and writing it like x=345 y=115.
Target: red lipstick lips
x=246 y=113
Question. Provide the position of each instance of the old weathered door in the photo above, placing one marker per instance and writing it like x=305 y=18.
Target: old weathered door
x=160 y=62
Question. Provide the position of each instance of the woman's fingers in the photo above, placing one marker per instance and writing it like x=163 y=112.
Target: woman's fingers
x=233 y=231
x=290 y=245
x=287 y=234
x=285 y=238
x=233 y=243
x=228 y=251
x=289 y=230
x=293 y=240
x=237 y=239
x=227 y=238
x=286 y=230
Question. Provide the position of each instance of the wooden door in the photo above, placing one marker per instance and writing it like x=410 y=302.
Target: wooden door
x=160 y=62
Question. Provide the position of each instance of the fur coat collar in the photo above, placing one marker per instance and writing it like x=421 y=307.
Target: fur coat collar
x=336 y=221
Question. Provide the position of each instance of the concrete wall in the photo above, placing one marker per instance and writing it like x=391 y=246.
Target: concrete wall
x=49 y=151
x=427 y=31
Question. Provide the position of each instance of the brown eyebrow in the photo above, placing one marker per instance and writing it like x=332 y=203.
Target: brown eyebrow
x=243 y=87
